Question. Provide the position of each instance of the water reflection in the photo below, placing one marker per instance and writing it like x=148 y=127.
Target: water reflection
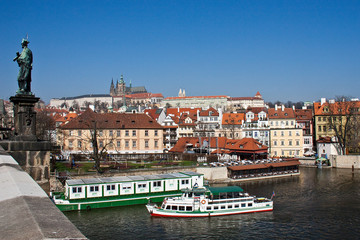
x=318 y=204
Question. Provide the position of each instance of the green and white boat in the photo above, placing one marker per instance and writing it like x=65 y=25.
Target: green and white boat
x=88 y=193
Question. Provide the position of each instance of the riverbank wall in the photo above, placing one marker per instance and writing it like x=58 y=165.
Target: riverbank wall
x=25 y=209
x=345 y=161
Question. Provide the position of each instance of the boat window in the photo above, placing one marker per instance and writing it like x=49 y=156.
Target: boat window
x=243 y=205
x=157 y=184
x=208 y=208
x=230 y=195
x=142 y=185
x=126 y=186
x=236 y=206
x=190 y=194
x=110 y=187
x=230 y=206
x=174 y=207
x=249 y=204
x=216 y=207
x=188 y=208
x=168 y=207
x=181 y=208
x=74 y=189
x=198 y=194
x=94 y=188
x=222 y=195
x=79 y=189
x=236 y=194
x=186 y=181
x=222 y=206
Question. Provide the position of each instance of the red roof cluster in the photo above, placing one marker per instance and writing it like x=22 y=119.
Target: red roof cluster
x=245 y=145
x=88 y=119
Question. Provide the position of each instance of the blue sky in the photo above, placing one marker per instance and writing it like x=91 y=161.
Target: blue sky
x=286 y=50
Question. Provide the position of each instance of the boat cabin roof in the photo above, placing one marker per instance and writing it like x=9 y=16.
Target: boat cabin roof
x=87 y=181
x=229 y=189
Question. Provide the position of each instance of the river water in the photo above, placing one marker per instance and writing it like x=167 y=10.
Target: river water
x=318 y=204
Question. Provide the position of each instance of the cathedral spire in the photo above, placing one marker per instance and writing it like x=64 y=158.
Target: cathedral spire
x=112 y=87
x=122 y=79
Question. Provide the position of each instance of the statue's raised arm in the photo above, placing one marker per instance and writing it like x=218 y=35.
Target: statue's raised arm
x=25 y=60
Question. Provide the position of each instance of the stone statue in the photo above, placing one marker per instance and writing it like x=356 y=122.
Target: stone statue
x=25 y=60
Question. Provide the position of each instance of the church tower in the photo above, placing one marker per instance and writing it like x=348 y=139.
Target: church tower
x=121 y=88
x=112 y=88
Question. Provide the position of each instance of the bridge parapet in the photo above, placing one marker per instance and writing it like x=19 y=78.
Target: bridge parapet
x=26 y=210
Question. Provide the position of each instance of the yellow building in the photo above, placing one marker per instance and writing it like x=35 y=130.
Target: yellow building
x=117 y=133
x=286 y=136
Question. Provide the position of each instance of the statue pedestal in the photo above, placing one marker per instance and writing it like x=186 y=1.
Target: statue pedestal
x=32 y=155
x=24 y=117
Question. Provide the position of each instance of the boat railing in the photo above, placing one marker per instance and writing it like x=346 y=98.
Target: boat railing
x=233 y=200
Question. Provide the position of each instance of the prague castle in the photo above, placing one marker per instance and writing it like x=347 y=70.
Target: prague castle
x=121 y=89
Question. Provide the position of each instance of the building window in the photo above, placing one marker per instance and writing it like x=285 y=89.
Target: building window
x=118 y=144
x=306 y=141
x=70 y=133
x=297 y=133
x=101 y=143
x=290 y=133
x=146 y=143
x=290 y=143
x=118 y=133
x=101 y=133
x=319 y=128
x=155 y=132
x=71 y=143
x=156 y=143
x=126 y=143
x=79 y=133
x=110 y=187
x=110 y=133
x=134 y=144
x=297 y=142
x=282 y=133
x=146 y=133
x=275 y=134
x=275 y=143
x=134 y=133
x=126 y=133
x=79 y=144
x=324 y=128
x=282 y=142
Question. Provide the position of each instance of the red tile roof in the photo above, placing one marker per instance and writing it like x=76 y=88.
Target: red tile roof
x=337 y=108
x=303 y=114
x=209 y=112
x=233 y=118
x=152 y=113
x=279 y=114
x=245 y=145
x=88 y=119
x=179 y=111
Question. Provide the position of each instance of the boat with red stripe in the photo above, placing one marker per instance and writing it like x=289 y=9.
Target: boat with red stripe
x=210 y=201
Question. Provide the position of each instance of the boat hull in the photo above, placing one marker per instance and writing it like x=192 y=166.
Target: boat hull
x=114 y=202
x=156 y=212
